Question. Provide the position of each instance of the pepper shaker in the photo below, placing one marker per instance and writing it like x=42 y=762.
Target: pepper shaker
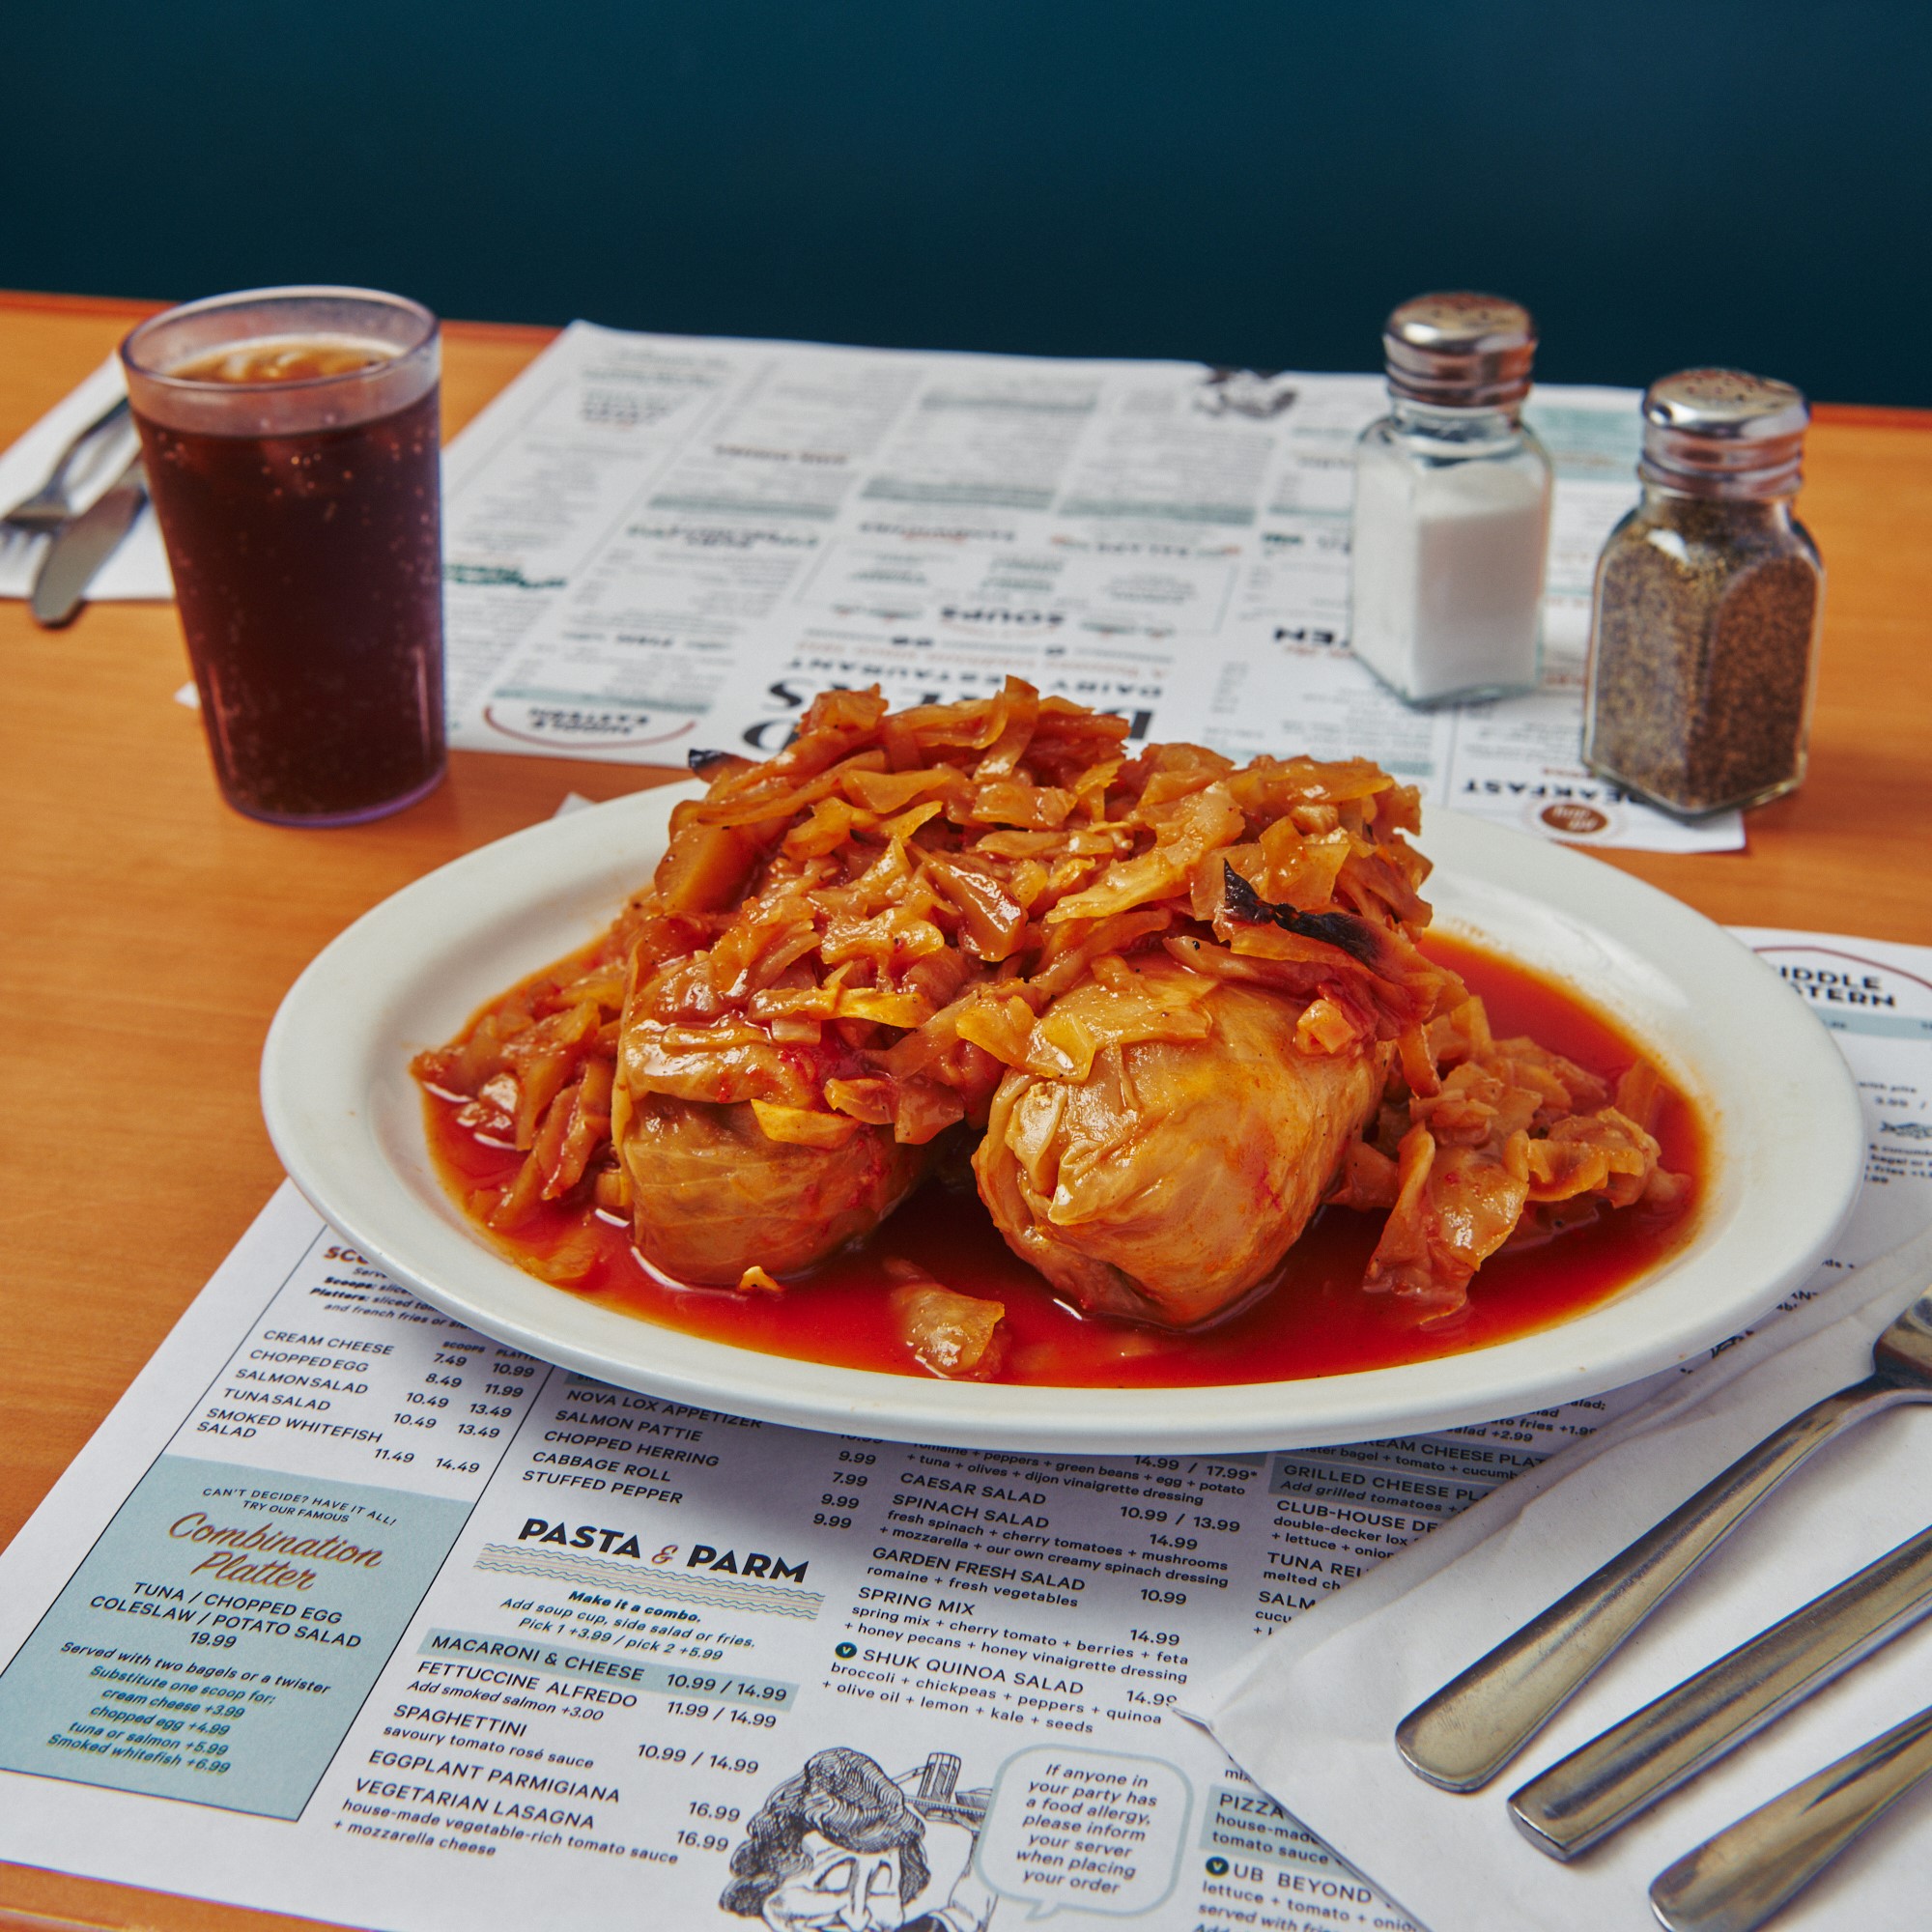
x=1704 y=625
x=1452 y=506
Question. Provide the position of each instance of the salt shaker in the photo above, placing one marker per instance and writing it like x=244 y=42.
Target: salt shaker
x=1452 y=506
x=1704 y=626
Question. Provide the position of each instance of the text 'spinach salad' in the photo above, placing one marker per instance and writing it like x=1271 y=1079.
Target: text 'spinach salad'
x=1174 y=1005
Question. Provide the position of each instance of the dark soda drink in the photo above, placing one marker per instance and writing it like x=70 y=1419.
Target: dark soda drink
x=290 y=445
x=309 y=574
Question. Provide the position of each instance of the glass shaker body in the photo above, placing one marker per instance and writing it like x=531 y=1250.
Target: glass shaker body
x=1703 y=651
x=1705 y=624
x=1451 y=531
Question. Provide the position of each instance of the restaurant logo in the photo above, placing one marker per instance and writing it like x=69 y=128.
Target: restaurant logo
x=1574 y=819
x=584 y=727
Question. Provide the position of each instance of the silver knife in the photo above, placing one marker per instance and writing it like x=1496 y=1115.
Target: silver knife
x=82 y=545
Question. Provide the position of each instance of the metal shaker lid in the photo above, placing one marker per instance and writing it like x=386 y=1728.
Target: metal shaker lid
x=1459 y=351
x=1723 y=433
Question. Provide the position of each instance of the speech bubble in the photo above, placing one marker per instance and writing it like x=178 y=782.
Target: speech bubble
x=1083 y=1831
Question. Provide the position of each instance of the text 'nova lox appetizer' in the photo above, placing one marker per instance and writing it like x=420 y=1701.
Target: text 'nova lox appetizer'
x=1175 y=1004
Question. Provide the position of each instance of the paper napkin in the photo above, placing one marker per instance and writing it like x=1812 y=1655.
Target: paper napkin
x=1311 y=1713
x=139 y=568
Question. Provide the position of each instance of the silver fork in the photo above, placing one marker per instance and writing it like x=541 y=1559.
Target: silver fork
x=1468 y=1730
x=50 y=506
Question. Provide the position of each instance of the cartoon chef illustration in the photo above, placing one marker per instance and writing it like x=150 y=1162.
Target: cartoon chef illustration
x=843 y=1846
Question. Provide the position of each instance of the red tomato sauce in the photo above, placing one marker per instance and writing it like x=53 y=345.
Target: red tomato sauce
x=1315 y=1320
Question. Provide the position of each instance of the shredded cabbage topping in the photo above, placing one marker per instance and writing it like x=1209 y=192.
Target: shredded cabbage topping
x=868 y=931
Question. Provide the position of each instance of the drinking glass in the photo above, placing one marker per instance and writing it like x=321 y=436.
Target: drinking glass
x=290 y=438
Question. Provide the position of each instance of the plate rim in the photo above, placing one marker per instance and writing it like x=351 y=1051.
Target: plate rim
x=327 y=1129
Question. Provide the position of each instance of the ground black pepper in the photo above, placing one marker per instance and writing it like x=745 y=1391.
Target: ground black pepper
x=1704 y=632
x=1701 y=654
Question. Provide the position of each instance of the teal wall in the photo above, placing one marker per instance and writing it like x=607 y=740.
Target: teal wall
x=1743 y=181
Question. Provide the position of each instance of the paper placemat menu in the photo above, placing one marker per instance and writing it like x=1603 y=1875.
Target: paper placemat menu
x=350 y=1611
x=654 y=543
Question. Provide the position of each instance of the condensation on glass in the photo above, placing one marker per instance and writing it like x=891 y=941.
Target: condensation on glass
x=291 y=438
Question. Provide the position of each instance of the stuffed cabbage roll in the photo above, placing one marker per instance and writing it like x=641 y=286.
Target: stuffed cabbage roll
x=716 y=1197
x=1164 y=1175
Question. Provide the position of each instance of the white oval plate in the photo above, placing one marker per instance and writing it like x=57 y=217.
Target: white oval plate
x=1780 y=1104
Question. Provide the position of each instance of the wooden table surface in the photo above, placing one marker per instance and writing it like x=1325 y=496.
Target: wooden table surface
x=147 y=933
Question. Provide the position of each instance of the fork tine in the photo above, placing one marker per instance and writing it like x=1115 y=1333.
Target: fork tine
x=43 y=508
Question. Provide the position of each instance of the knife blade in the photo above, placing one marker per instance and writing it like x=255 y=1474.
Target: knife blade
x=82 y=545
